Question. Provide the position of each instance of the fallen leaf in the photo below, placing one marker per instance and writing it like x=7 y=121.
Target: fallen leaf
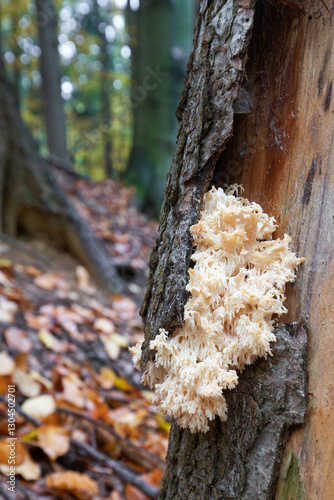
x=8 y=310
x=50 y=341
x=51 y=281
x=54 y=440
x=7 y=364
x=106 y=378
x=32 y=271
x=17 y=339
x=82 y=278
x=79 y=485
x=112 y=349
x=39 y=406
x=119 y=339
x=28 y=469
x=104 y=325
x=5 y=452
x=25 y=383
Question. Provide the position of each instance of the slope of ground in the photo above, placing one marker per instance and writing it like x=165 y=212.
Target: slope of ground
x=84 y=426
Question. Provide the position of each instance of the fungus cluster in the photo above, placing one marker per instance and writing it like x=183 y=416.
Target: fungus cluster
x=236 y=285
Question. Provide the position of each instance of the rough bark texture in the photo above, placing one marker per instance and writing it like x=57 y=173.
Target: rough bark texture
x=282 y=152
x=32 y=200
x=238 y=459
x=206 y=114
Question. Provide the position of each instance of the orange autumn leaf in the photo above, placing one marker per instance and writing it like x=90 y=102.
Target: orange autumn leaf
x=54 y=440
x=5 y=452
x=79 y=485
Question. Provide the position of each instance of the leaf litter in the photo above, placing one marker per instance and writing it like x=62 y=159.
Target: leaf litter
x=85 y=426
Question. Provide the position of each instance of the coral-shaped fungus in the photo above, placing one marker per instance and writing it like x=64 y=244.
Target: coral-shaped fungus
x=236 y=285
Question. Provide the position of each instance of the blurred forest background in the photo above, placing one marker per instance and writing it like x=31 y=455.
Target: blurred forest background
x=97 y=82
x=88 y=91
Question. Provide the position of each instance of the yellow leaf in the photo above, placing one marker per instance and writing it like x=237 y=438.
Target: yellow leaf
x=123 y=385
x=119 y=339
x=49 y=340
x=163 y=424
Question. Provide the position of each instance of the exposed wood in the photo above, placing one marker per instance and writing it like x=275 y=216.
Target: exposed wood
x=282 y=153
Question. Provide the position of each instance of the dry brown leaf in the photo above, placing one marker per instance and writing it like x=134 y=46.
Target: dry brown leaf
x=32 y=271
x=51 y=281
x=28 y=469
x=79 y=485
x=54 y=440
x=18 y=339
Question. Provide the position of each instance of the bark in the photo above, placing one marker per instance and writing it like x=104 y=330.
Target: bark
x=51 y=75
x=32 y=200
x=281 y=152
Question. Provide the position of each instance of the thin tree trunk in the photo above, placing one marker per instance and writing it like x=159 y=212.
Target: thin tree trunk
x=51 y=76
x=282 y=153
x=106 y=107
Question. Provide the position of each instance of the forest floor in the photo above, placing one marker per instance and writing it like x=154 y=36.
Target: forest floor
x=84 y=426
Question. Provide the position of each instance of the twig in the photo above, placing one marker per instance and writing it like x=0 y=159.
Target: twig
x=5 y=493
x=19 y=410
x=123 y=471
x=138 y=455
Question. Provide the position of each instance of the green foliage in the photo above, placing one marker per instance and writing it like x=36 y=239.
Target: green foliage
x=87 y=32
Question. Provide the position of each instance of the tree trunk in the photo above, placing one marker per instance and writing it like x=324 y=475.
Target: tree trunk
x=51 y=76
x=32 y=200
x=281 y=152
x=163 y=33
x=106 y=90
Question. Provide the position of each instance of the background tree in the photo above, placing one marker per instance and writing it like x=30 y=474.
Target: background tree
x=33 y=201
x=51 y=76
x=281 y=151
x=162 y=36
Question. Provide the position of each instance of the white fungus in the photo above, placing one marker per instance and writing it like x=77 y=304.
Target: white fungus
x=236 y=285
